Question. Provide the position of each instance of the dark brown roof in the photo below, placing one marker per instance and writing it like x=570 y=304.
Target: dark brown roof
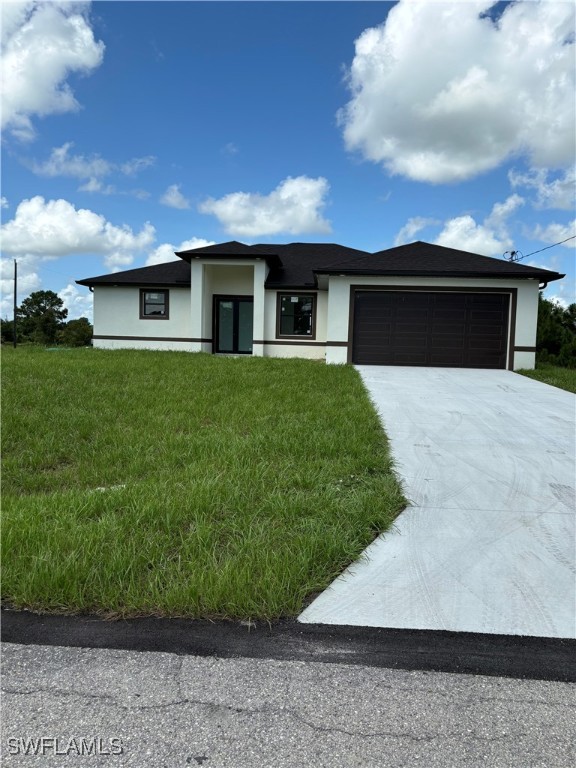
x=295 y=265
x=299 y=261
x=171 y=273
x=428 y=260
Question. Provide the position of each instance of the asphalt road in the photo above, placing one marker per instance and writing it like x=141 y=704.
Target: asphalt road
x=168 y=710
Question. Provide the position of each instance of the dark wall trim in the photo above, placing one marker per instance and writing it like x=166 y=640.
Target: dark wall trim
x=336 y=343
x=295 y=343
x=513 y=292
x=148 y=338
x=524 y=349
x=279 y=295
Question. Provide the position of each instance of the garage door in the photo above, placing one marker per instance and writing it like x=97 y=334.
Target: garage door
x=461 y=330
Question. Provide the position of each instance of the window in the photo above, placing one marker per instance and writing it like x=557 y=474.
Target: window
x=296 y=315
x=153 y=305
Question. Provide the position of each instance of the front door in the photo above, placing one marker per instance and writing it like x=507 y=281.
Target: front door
x=233 y=324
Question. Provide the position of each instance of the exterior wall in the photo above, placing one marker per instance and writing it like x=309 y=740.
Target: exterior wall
x=117 y=314
x=314 y=349
x=524 y=322
x=162 y=346
x=189 y=327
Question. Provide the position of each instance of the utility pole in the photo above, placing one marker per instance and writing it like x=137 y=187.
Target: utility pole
x=15 y=294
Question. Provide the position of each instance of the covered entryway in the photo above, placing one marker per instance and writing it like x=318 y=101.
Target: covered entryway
x=440 y=328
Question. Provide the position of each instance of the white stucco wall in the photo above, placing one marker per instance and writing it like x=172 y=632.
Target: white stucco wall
x=117 y=313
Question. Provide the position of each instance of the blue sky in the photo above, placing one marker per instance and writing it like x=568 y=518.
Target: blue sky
x=131 y=129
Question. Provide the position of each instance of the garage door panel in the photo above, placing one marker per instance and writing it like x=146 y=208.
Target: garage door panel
x=428 y=328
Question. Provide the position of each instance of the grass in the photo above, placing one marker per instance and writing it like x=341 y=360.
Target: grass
x=563 y=378
x=166 y=483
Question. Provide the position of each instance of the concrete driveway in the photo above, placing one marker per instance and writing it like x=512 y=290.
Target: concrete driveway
x=487 y=544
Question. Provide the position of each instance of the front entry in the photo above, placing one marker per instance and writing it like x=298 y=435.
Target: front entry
x=233 y=324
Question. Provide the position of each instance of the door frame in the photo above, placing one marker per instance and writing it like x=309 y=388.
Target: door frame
x=235 y=299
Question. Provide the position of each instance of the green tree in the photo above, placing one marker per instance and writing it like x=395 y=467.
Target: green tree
x=556 y=334
x=40 y=317
x=6 y=330
x=76 y=333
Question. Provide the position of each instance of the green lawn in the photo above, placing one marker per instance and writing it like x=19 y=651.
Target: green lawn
x=166 y=483
x=564 y=378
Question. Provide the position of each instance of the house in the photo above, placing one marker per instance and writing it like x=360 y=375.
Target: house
x=417 y=304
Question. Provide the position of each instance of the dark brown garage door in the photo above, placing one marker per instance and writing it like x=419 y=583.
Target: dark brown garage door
x=461 y=330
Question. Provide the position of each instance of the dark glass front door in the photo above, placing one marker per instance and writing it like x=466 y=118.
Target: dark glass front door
x=233 y=324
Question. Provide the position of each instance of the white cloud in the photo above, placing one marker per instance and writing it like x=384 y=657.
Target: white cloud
x=43 y=231
x=174 y=198
x=165 y=252
x=558 y=193
x=411 y=228
x=137 y=164
x=62 y=163
x=491 y=238
x=55 y=228
x=555 y=233
x=294 y=207
x=42 y=44
x=441 y=92
x=95 y=185
x=465 y=234
x=28 y=281
x=79 y=303
x=230 y=149
x=4 y=202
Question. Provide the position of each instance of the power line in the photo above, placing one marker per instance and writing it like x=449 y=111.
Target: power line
x=518 y=255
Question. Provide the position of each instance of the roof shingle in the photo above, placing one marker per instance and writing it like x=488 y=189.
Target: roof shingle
x=295 y=265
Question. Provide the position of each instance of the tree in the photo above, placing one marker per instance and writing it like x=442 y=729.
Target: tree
x=6 y=330
x=40 y=317
x=556 y=334
x=76 y=333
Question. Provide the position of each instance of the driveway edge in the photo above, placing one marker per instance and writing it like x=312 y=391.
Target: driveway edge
x=425 y=650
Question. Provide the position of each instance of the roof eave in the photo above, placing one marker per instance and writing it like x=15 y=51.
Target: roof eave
x=542 y=276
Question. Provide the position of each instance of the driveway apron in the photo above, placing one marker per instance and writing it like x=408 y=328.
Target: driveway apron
x=487 y=543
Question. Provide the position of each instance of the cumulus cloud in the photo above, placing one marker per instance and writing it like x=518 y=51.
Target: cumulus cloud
x=28 y=281
x=137 y=164
x=442 y=92
x=62 y=163
x=556 y=193
x=4 y=202
x=294 y=207
x=412 y=227
x=51 y=228
x=556 y=233
x=79 y=303
x=490 y=238
x=165 y=252
x=42 y=44
x=173 y=198
x=95 y=185
x=93 y=168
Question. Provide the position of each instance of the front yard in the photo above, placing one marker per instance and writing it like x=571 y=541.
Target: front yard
x=159 y=483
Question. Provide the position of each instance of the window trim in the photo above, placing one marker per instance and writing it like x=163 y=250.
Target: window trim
x=301 y=294
x=143 y=292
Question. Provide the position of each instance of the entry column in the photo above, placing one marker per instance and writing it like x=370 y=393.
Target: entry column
x=259 y=295
x=197 y=305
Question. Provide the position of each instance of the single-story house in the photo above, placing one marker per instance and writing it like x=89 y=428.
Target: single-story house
x=417 y=304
